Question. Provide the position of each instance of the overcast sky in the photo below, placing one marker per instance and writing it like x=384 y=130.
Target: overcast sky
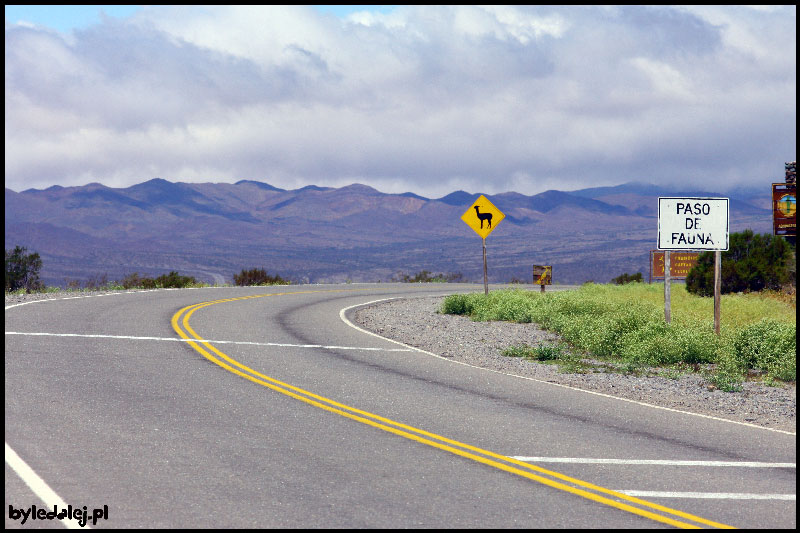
x=424 y=99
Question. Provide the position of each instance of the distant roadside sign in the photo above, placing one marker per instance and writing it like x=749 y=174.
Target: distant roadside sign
x=680 y=263
x=693 y=223
x=542 y=275
x=482 y=216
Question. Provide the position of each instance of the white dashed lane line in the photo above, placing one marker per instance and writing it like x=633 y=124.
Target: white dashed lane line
x=678 y=462
x=172 y=339
x=708 y=495
x=664 y=462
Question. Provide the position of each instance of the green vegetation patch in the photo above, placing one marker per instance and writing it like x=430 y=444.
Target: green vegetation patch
x=626 y=323
x=258 y=276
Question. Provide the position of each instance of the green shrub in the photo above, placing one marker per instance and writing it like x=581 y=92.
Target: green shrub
x=769 y=346
x=173 y=280
x=22 y=270
x=542 y=352
x=134 y=281
x=627 y=278
x=658 y=344
x=517 y=351
x=257 y=276
x=548 y=352
x=728 y=377
x=457 y=304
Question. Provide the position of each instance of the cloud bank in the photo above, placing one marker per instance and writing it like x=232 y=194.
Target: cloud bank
x=424 y=99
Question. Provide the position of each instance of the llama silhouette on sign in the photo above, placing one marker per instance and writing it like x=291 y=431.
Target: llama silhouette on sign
x=484 y=216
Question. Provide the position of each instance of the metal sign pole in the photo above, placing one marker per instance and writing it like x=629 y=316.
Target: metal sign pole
x=667 y=302
x=717 y=288
x=485 y=275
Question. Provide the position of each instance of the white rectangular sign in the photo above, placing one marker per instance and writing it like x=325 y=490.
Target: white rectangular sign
x=692 y=223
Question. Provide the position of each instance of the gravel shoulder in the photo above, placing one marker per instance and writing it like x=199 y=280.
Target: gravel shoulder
x=416 y=322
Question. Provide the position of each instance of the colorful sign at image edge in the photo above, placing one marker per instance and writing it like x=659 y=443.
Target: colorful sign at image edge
x=784 y=209
x=482 y=216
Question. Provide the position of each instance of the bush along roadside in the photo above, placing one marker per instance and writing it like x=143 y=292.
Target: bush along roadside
x=258 y=276
x=624 y=327
x=98 y=283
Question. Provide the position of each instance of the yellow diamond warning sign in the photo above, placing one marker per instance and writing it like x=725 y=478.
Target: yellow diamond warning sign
x=482 y=216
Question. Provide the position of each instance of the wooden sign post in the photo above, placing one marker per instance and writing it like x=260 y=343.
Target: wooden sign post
x=693 y=224
x=717 y=288
x=667 y=289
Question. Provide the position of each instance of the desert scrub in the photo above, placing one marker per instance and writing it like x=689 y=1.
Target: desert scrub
x=627 y=322
x=543 y=352
x=770 y=346
x=560 y=354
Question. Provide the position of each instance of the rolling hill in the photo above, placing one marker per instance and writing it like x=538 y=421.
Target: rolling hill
x=355 y=233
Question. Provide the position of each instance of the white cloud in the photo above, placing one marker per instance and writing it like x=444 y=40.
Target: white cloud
x=665 y=79
x=420 y=99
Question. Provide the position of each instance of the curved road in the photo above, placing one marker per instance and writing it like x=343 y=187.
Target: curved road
x=264 y=407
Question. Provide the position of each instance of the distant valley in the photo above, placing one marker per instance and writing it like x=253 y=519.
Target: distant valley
x=353 y=233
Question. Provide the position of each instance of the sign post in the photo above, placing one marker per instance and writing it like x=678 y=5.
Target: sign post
x=693 y=224
x=717 y=288
x=667 y=289
x=482 y=216
x=485 y=274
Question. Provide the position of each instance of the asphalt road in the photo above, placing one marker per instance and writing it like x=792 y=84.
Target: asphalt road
x=292 y=418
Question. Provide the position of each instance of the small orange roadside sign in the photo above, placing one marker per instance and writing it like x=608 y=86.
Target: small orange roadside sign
x=680 y=264
x=482 y=216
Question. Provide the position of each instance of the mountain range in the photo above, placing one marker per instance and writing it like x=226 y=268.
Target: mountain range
x=354 y=233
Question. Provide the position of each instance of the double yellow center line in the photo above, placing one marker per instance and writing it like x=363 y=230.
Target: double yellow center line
x=659 y=513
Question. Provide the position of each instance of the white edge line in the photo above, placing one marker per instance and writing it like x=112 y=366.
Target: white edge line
x=38 y=486
x=83 y=296
x=115 y=293
x=346 y=321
